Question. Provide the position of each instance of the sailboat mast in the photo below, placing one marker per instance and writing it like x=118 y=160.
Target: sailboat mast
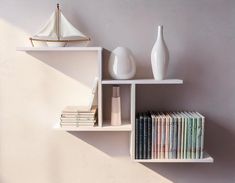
x=58 y=22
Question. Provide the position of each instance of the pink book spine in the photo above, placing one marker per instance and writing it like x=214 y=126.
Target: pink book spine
x=167 y=139
x=159 y=138
x=156 y=138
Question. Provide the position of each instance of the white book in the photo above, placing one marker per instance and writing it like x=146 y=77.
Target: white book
x=79 y=110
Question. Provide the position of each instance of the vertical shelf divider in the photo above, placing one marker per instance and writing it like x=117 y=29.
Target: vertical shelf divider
x=100 y=106
x=133 y=110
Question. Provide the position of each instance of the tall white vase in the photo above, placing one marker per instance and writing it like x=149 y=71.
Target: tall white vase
x=159 y=56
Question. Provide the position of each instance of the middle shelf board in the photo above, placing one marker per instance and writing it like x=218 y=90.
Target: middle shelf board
x=143 y=81
x=106 y=127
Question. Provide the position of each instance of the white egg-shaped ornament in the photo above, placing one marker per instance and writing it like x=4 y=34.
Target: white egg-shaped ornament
x=121 y=64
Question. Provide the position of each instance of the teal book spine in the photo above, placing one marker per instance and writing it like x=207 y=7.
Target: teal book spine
x=171 y=139
x=194 y=130
x=202 y=137
x=189 y=138
x=162 y=137
x=198 y=137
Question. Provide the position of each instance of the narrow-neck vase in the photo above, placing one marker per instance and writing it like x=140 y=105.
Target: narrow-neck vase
x=159 y=56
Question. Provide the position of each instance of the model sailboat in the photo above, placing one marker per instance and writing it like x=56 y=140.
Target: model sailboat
x=58 y=31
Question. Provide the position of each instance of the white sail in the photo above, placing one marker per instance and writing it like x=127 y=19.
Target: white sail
x=48 y=31
x=66 y=30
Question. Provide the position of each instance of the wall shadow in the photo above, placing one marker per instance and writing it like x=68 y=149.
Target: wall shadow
x=114 y=144
x=72 y=64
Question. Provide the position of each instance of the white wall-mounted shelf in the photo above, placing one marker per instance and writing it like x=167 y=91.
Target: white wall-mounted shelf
x=207 y=159
x=102 y=126
x=59 y=48
x=143 y=81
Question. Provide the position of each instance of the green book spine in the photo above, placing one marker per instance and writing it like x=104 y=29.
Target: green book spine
x=189 y=140
x=202 y=137
x=185 y=136
x=198 y=137
x=194 y=138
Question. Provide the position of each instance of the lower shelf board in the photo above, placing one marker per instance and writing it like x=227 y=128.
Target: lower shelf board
x=124 y=127
x=207 y=159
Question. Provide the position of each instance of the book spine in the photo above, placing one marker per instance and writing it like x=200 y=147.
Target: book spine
x=182 y=137
x=153 y=137
x=159 y=138
x=186 y=137
x=171 y=139
x=174 y=138
x=145 y=149
x=167 y=139
x=149 y=140
x=141 y=137
x=179 y=138
x=194 y=138
x=198 y=138
x=156 y=138
x=163 y=138
x=202 y=137
x=189 y=140
x=137 y=123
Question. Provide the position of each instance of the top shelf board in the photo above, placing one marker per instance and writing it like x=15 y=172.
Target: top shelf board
x=59 y=48
x=143 y=81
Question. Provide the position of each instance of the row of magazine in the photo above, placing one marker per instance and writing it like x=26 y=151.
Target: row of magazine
x=169 y=135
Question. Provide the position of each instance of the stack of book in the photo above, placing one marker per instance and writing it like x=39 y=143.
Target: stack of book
x=76 y=116
x=169 y=135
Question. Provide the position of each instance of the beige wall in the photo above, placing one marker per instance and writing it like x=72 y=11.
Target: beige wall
x=33 y=90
